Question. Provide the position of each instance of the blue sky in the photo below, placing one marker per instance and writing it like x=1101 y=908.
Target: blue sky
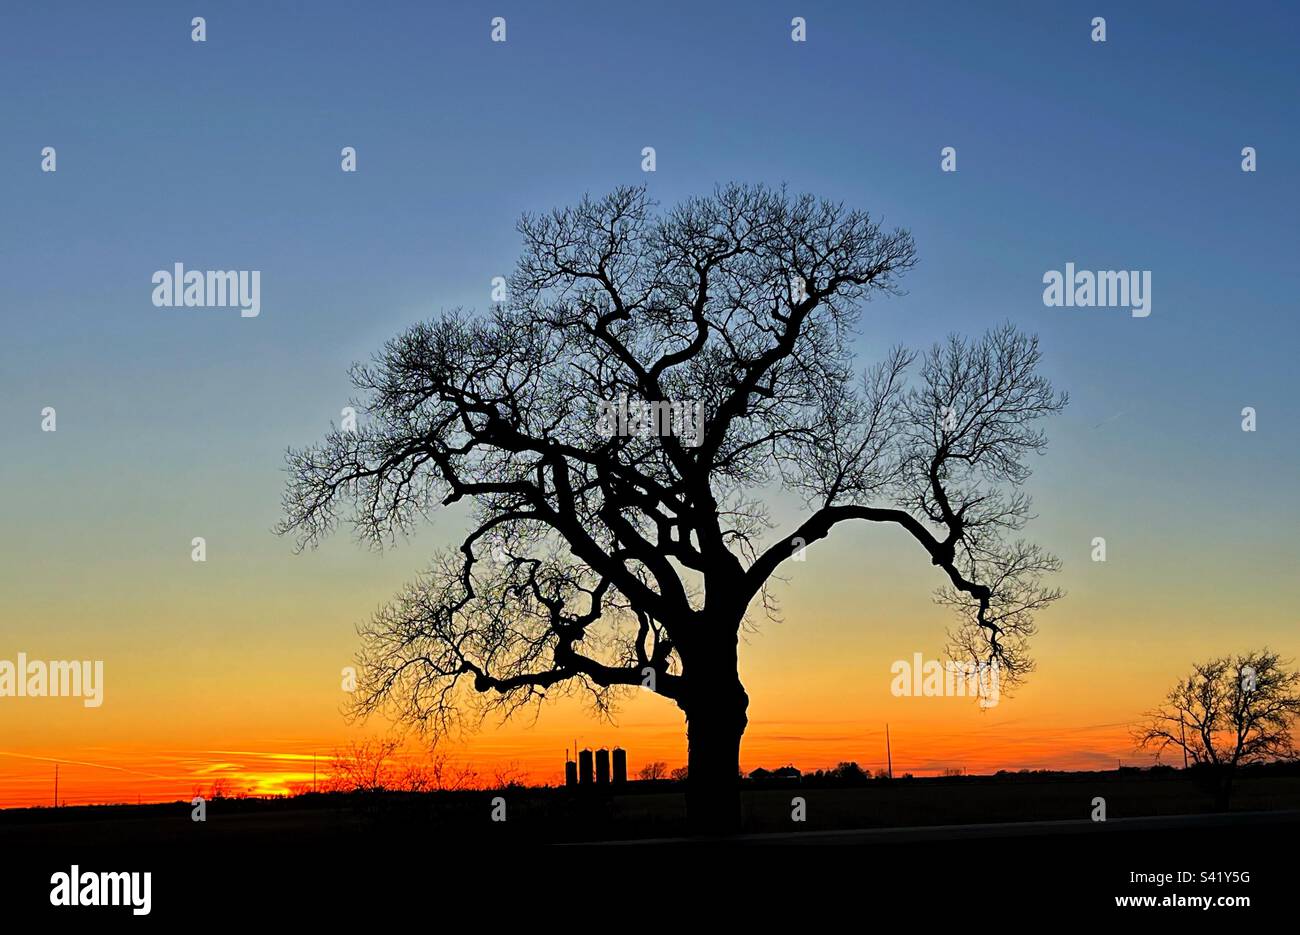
x=225 y=154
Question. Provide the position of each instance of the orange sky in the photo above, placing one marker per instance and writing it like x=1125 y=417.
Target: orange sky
x=125 y=774
x=248 y=689
x=231 y=668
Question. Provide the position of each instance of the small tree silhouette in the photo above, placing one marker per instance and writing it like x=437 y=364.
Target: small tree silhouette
x=656 y=770
x=603 y=559
x=1229 y=712
x=363 y=766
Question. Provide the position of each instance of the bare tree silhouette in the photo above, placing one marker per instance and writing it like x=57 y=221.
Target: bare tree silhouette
x=363 y=766
x=601 y=562
x=1229 y=712
x=657 y=769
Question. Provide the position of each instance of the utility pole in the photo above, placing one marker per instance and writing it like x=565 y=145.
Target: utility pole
x=889 y=754
x=1182 y=738
x=56 y=785
x=313 y=772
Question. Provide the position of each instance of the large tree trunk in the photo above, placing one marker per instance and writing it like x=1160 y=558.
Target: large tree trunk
x=715 y=704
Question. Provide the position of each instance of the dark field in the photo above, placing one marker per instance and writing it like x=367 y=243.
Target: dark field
x=1028 y=839
x=641 y=810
